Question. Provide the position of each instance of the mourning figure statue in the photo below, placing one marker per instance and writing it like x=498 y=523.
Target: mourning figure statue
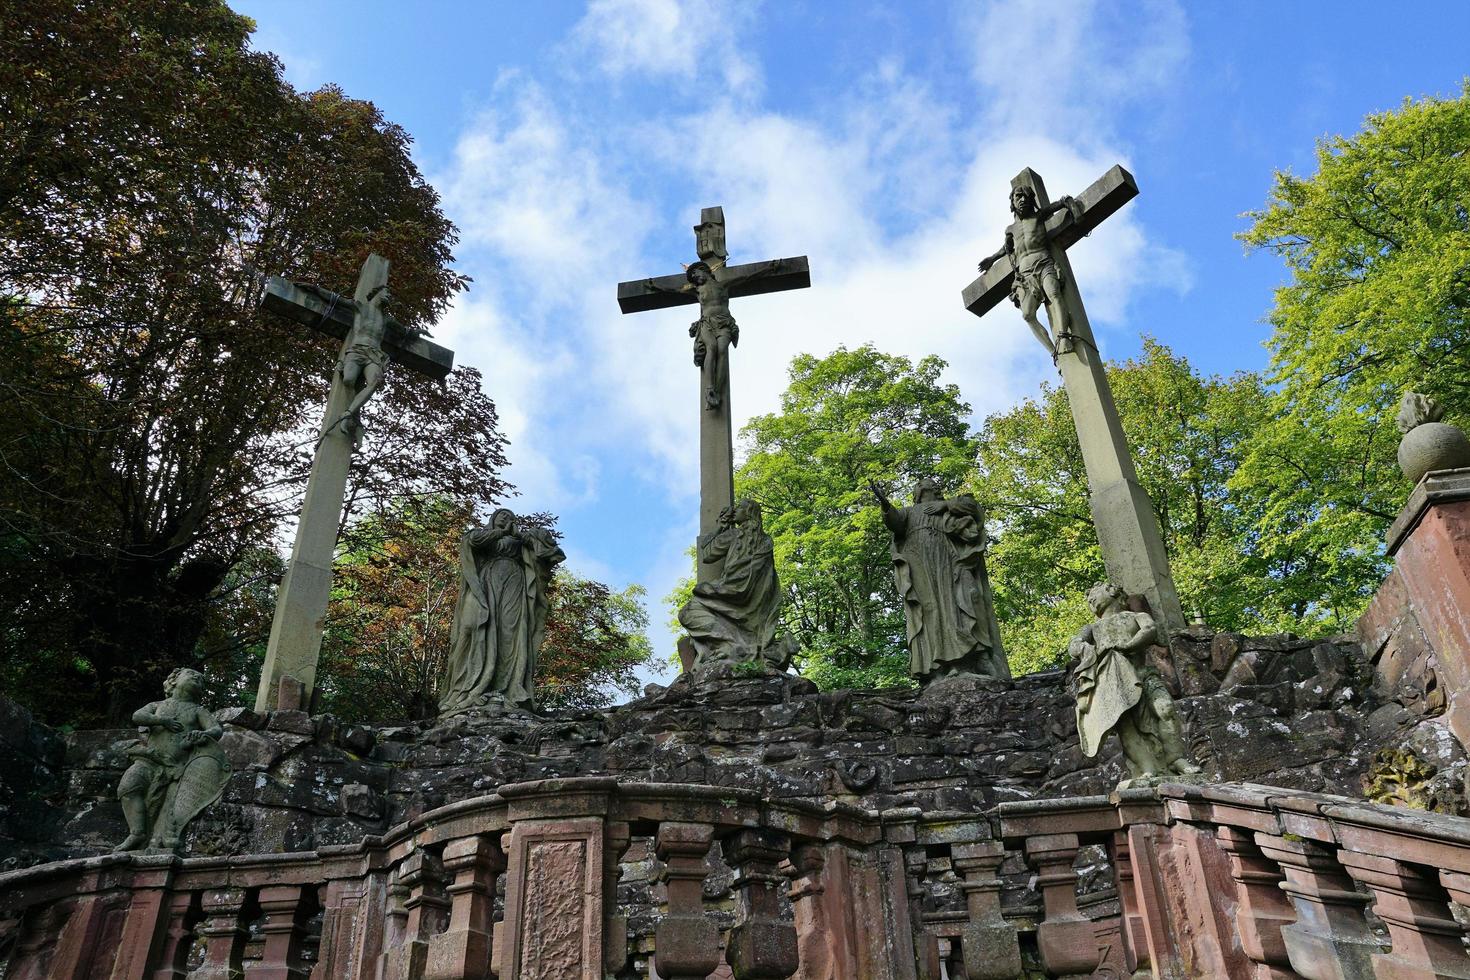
x=734 y=619
x=939 y=566
x=1117 y=691
x=178 y=766
x=1038 y=281
x=500 y=620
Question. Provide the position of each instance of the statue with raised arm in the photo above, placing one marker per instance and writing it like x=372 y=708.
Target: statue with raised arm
x=1038 y=281
x=715 y=332
x=939 y=566
x=500 y=620
x=178 y=766
x=1117 y=691
x=735 y=618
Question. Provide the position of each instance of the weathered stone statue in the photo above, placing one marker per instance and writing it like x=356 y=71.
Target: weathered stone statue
x=178 y=767
x=1429 y=444
x=734 y=619
x=939 y=565
x=1038 y=280
x=715 y=332
x=1118 y=691
x=500 y=621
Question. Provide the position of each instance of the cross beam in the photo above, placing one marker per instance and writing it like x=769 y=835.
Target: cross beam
x=773 y=276
x=1095 y=205
x=332 y=315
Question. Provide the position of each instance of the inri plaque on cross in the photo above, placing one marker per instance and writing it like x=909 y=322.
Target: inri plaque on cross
x=712 y=283
x=1032 y=270
x=370 y=339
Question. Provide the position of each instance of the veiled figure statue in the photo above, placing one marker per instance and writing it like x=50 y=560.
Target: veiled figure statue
x=939 y=565
x=1118 y=691
x=178 y=767
x=500 y=620
x=734 y=618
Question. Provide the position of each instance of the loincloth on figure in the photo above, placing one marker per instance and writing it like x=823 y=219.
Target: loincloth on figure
x=363 y=354
x=708 y=329
x=1028 y=283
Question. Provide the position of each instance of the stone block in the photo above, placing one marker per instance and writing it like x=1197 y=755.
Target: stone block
x=295 y=722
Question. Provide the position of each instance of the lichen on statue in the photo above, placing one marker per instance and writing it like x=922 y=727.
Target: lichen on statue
x=1117 y=691
x=178 y=766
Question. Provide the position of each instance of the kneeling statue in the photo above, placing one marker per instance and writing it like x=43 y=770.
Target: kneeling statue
x=178 y=767
x=1118 y=691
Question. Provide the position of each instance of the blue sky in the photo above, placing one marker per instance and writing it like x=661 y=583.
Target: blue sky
x=574 y=145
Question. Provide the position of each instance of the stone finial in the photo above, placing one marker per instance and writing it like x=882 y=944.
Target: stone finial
x=1428 y=443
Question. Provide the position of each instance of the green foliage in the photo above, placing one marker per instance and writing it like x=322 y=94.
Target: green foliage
x=1378 y=246
x=852 y=417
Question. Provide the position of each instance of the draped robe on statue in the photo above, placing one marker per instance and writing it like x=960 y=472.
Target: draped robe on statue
x=734 y=619
x=500 y=620
x=939 y=565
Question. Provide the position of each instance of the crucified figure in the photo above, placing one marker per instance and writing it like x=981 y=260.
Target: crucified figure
x=1038 y=280
x=363 y=360
x=715 y=332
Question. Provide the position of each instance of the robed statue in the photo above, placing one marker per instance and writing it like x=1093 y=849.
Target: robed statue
x=1118 y=691
x=939 y=566
x=178 y=767
x=500 y=621
x=735 y=618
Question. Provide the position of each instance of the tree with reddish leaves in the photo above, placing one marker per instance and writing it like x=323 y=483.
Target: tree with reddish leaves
x=159 y=426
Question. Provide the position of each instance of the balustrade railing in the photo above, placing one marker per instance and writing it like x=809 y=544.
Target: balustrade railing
x=1230 y=881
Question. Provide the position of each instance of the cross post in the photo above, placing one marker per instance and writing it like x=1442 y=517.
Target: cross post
x=1127 y=523
x=711 y=283
x=301 y=602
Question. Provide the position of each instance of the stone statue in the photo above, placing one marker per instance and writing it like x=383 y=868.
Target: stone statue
x=178 y=767
x=715 y=332
x=1118 y=691
x=500 y=620
x=734 y=619
x=1429 y=444
x=939 y=565
x=363 y=359
x=1038 y=280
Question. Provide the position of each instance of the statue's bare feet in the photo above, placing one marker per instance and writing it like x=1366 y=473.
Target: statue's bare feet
x=1065 y=344
x=712 y=399
x=134 y=842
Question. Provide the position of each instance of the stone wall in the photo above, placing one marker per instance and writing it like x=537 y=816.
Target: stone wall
x=1279 y=710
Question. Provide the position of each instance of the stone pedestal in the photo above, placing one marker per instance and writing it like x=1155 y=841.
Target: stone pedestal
x=1417 y=629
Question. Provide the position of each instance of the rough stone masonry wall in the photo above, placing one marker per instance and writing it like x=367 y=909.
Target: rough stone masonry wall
x=1278 y=710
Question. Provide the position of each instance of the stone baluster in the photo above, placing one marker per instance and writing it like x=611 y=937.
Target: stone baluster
x=426 y=913
x=761 y=946
x=989 y=944
x=926 y=943
x=818 y=954
x=686 y=942
x=36 y=945
x=462 y=952
x=223 y=934
x=176 y=931
x=286 y=910
x=1135 y=936
x=616 y=838
x=1427 y=941
x=147 y=917
x=395 y=924
x=1066 y=938
x=1264 y=907
x=1330 y=937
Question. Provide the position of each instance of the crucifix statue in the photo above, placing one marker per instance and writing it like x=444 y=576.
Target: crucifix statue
x=1032 y=270
x=371 y=338
x=712 y=283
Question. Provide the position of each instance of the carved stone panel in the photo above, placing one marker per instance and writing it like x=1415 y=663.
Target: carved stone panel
x=553 y=902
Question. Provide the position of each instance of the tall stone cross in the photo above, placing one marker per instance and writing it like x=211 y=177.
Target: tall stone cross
x=712 y=283
x=1036 y=245
x=370 y=338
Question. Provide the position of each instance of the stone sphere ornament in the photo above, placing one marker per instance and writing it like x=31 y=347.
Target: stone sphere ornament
x=1428 y=444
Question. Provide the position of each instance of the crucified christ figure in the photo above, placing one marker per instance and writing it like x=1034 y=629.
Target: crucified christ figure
x=1038 y=280
x=363 y=360
x=715 y=332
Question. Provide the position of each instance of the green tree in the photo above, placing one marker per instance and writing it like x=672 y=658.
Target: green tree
x=851 y=417
x=159 y=426
x=1377 y=242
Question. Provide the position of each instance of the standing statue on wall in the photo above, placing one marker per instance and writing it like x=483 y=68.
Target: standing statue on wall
x=939 y=565
x=1118 y=691
x=734 y=619
x=500 y=620
x=178 y=767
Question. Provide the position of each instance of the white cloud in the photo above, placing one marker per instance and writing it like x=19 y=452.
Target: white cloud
x=684 y=39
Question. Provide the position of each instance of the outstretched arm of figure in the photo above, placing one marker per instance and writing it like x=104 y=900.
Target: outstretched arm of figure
x=766 y=268
x=652 y=285
x=1066 y=203
x=892 y=516
x=998 y=254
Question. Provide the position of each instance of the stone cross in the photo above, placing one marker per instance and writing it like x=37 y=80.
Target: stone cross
x=1127 y=524
x=712 y=283
x=370 y=338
